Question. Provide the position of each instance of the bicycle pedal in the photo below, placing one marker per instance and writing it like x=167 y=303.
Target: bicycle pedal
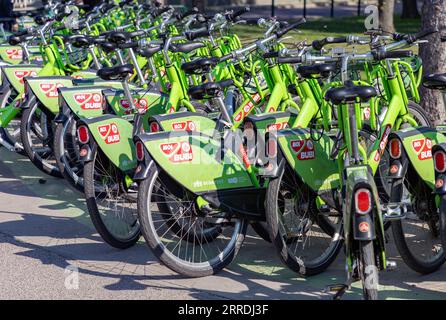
x=394 y=212
x=324 y=209
x=391 y=265
x=335 y=288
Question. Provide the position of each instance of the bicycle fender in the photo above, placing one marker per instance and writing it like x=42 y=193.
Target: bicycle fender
x=113 y=136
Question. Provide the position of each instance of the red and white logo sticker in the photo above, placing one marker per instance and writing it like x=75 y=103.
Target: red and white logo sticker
x=110 y=133
x=20 y=74
x=303 y=148
x=184 y=125
x=277 y=126
x=140 y=104
x=423 y=148
x=89 y=101
x=247 y=108
x=50 y=89
x=382 y=143
x=177 y=151
x=364 y=227
x=14 y=54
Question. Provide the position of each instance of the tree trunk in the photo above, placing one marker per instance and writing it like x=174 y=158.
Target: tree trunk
x=434 y=57
x=386 y=8
x=410 y=9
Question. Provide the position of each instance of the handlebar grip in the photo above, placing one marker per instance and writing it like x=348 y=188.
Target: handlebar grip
x=380 y=55
x=291 y=60
x=319 y=44
x=226 y=83
x=271 y=54
x=181 y=16
x=226 y=57
x=128 y=45
x=192 y=35
x=123 y=3
x=421 y=34
x=137 y=33
x=235 y=15
x=107 y=7
x=21 y=33
x=160 y=11
x=287 y=29
x=41 y=20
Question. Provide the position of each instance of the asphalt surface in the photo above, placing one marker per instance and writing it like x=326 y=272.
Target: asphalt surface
x=49 y=250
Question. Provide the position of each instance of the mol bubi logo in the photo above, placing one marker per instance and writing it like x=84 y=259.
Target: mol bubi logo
x=50 y=89
x=303 y=148
x=177 y=151
x=110 y=133
x=184 y=125
x=20 y=74
x=14 y=54
x=423 y=148
x=89 y=101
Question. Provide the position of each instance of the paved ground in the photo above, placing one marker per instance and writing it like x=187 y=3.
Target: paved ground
x=44 y=229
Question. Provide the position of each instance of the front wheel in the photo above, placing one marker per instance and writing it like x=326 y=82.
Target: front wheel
x=37 y=135
x=368 y=272
x=66 y=151
x=183 y=236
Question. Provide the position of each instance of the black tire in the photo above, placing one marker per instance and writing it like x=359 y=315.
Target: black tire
x=368 y=272
x=443 y=221
x=38 y=129
x=261 y=228
x=321 y=226
x=420 y=115
x=66 y=154
x=149 y=209
x=94 y=173
x=382 y=183
x=418 y=236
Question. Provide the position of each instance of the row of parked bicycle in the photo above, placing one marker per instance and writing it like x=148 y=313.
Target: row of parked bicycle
x=175 y=129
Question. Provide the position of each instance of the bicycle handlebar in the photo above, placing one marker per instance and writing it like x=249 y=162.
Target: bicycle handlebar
x=287 y=29
x=319 y=44
x=232 y=16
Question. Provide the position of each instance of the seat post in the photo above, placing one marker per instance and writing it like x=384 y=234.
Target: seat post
x=127 y=93
x=137 y=68
x=353 y=129
x=218 y=100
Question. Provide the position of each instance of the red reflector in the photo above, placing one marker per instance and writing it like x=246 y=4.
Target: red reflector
x=363 y=201
x=439 y=161
x=395 y=148
x=83 y=135
x=271 y=148
x=139 y=151
x=154 y=127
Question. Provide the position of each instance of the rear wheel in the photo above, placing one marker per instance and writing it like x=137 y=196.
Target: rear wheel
x=37 y=135
x=66 y=151
x=111 y=202
x=187 y=239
